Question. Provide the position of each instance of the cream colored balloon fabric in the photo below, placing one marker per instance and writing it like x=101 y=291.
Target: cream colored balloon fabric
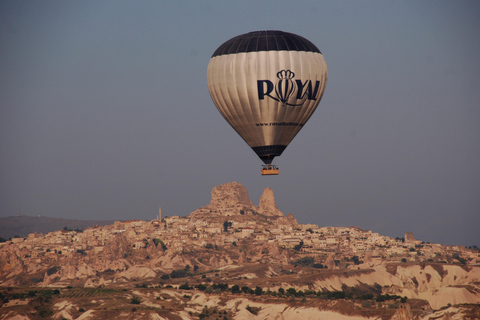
x=267 y=96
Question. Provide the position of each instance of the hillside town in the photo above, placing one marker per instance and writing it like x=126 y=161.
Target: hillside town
x=230 y=220
x=232 y=242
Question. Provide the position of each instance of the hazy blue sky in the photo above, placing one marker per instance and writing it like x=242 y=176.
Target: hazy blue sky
x=105 y=113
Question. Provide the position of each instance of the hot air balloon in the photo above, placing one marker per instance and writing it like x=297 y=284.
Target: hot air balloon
x=267 y=84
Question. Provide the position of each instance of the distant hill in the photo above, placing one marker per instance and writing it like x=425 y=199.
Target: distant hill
x=22 y=226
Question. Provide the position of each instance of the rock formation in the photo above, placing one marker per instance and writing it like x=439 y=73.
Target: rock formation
x=267 y=204
x=404 y=312
x=291 y=219
x=230 y=195
x=232 y=198
x=409 y=237
x=228 y=199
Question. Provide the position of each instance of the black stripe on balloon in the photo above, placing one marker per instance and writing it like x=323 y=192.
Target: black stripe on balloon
x=265 y=41
x=267 y=153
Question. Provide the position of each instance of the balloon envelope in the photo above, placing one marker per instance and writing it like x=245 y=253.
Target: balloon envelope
x=267 y=84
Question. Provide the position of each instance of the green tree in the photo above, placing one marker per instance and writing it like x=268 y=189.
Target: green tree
x=221 y=286
x=180 y=273
x=291 y=291
x=457 y=256
x=336 y=295
x=356 y=260
x=226 y=225
x=184 y=286
x=157 y=241
x=235 y=289
x=201 y=287
x=305 y=262
x=135 y=300
x=298 y=246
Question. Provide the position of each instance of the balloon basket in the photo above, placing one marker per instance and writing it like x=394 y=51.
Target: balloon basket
x=269 y=170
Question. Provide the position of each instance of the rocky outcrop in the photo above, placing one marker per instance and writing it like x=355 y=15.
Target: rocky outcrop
x=228 y=199
x=230 y=195
x=409 y=237
x=403 y=312
x=291 y=219
x=267 y=204
x=232 y=198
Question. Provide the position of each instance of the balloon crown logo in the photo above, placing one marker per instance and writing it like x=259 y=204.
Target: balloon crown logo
x=285 y=74
x=286 y=87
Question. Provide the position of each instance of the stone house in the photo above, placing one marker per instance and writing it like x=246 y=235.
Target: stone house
x=246 y=232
